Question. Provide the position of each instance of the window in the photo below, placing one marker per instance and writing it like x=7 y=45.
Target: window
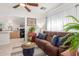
x=56 y=22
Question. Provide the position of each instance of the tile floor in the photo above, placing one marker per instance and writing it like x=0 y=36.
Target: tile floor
x=37 y=52
x=14 y=49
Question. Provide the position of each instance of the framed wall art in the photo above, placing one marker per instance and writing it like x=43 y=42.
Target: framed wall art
x=31 y=21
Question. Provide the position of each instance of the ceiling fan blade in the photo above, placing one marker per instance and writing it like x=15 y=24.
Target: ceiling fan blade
x=27 y=9
x=16 y=6
x=33 y=4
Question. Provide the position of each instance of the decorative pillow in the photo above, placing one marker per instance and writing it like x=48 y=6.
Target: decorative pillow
x=53 y=40
x=41 y=36
x=56 y=40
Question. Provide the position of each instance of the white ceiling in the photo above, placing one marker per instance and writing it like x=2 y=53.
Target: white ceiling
x=8 y=13
x=6 y=9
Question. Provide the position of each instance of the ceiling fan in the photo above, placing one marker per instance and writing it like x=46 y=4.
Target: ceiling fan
x=25 y=5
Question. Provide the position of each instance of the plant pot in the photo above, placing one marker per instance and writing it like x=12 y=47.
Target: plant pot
x=28 y=49
x=31 y=36
x=28 y=52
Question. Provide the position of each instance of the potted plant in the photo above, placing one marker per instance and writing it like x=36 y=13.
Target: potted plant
x=75 y=36
x=28 y=48
x=31 y=32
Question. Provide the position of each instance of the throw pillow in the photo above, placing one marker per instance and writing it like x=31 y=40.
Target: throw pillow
x=41 y=36
x=56 y=40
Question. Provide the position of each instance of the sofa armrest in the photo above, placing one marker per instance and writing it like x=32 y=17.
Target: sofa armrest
x=51 y=50
x=47 y=47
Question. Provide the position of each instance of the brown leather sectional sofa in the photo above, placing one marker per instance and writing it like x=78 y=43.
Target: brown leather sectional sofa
x=47 y=47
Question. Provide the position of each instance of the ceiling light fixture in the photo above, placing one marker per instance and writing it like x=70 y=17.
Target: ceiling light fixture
x=22 y=4
x=43 y=8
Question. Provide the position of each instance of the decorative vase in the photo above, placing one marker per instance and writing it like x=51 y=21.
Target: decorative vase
x=30 y=36
x=28 y=52
x=28 y=49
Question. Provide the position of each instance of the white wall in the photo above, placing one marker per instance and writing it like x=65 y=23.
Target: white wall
x=7 y=20
x=12 y=21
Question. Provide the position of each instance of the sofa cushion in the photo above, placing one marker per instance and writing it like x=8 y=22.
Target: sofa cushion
x=49 y=38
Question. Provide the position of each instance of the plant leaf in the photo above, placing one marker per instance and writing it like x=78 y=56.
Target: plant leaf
x=74 y=18
x=75 y=37
x=74 y=26
x=69 y=24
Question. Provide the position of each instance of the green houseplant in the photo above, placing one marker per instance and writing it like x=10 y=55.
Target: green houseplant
x=75 y=36
x=32 y=29
x=28 y=47
x=31 y=32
